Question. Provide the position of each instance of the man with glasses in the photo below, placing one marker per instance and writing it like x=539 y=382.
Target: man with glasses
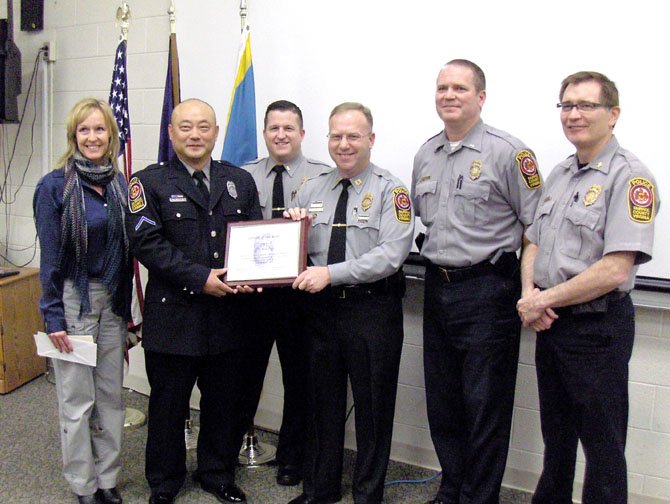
x=276 y=313
x=595 y=225
x=362 y=227
x=475 y=188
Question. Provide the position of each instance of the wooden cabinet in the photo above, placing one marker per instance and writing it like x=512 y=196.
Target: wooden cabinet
x=19 y=320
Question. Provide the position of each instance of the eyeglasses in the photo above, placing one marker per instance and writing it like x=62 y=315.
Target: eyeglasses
x=581 y=106
x=349 y=137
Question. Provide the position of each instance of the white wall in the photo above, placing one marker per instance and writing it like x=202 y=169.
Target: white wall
x=86 y=38
x=387 y=56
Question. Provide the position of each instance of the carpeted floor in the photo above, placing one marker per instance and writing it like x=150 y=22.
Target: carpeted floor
x=30 y=461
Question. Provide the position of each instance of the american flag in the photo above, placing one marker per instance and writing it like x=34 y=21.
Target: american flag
x=118 y=101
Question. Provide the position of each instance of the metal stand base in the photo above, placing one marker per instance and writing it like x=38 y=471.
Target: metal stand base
x=191 y=435
x=255 y=453
x=134 y=419
x=50 y=374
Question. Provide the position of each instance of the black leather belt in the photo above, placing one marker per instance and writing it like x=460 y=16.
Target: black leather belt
x=505 y=263
x=394 y=284
x=597 y=305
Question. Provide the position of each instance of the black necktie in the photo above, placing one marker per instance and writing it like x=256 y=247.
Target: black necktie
x=199 y=176
x=338 y=235
x=278 y=193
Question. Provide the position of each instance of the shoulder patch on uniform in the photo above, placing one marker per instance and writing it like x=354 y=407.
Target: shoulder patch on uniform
x=528 y=169
x=136 y=198
x=641 y=201
x=402 y=205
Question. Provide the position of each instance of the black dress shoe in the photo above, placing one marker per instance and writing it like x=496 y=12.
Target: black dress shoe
x=161 y=498
x=288 y=475
x=304 y=499
x=108 y=496
x=87 y=499
x=226 y=493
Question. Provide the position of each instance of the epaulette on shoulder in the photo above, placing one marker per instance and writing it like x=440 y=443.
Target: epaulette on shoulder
x=156 y=166
x=317 y=162
x=223 y=162
x=386 y=175
x=431 y=138
x=629 y=156
x=511 y=140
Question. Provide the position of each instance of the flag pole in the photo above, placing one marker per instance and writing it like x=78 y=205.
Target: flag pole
x=173 y=18
x=253 y=452
x=133 y=418
x=190 y=429
x=123 y=17
x=243 y=15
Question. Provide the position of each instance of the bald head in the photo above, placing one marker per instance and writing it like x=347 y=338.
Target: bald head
x=190 y=103
x=193 y=132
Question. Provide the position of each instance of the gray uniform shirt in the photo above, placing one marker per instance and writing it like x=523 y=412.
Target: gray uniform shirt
x=607 y=206
x=297 y=172
x=380 y=224
x=475 y=199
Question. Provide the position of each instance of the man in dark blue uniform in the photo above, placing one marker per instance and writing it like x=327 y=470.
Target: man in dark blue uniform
x=178 y=214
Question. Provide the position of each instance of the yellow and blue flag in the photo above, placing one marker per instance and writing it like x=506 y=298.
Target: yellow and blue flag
x=239 y=145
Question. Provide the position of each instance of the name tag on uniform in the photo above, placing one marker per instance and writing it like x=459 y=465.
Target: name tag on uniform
x=316 y=206
x=360 y=218
x=178 y=198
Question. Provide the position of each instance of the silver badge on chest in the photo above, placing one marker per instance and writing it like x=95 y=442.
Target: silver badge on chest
x=232 y=190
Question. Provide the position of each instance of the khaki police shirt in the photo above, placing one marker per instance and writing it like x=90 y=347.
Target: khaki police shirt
x=607 y=206
x=380 y=224
x=475 y=199
x=297 y=172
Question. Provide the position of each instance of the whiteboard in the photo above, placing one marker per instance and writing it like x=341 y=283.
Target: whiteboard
x=387 y=56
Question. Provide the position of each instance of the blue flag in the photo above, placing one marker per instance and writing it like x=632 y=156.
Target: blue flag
x=240 y=146
x=171 y=98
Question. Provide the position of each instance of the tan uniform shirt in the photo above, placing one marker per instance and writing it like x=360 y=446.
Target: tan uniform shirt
x=476 y=199
x=607 y=206
x=297 y=172
x=380 y=224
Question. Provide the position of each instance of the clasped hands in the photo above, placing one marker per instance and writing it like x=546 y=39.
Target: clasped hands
x=532 y=312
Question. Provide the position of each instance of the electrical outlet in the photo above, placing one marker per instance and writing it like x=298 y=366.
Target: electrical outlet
x=50 y=53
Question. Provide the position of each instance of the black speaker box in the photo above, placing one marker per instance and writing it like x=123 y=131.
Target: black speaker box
x=32 y=15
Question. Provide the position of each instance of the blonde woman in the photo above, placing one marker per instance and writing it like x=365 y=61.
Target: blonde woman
x=85 y=271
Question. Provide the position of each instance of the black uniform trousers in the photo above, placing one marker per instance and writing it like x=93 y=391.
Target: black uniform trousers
x=361 y=337
x=471 y=349
x=276 y=315
x=582 y=374
x=171 y=378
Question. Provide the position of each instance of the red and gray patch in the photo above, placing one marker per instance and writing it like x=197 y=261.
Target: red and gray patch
x=136 y=198
x=528 y=169
x=641 y=201
x=402 y=205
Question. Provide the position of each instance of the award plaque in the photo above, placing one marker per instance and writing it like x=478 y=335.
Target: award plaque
x=266 y=253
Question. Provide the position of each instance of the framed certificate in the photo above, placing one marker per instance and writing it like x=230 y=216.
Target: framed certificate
x=266 y=253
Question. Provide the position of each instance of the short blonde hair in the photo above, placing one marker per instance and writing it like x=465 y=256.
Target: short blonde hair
x=81 y=110
x=347 y=106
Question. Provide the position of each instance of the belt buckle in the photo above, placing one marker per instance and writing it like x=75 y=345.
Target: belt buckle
x=446 y=273
x=342 y=294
